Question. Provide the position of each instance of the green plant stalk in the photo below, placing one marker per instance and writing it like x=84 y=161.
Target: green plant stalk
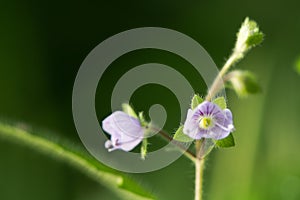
x=190 y=155
x=215 y=87
x=217 y=84
x=199 y=168
x=113 y=182
x=187 y=153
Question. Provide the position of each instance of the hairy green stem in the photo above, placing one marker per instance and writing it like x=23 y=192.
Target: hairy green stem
x=218 y=82
x=199 y=167
x=215 y=87
x=190 y=155
x=247 y=37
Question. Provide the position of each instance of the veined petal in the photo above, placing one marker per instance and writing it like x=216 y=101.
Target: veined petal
x=126 y=131
x=221 y=124
x=190 y=124
x=122 y=124
x=228 y=119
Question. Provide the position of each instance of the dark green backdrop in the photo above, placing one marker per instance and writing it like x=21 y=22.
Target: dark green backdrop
x=42 y=44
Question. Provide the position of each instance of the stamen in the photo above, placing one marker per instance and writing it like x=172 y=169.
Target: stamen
x=229 y=128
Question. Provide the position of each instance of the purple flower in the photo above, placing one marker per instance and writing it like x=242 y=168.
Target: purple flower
x=208 y=120
x=126 y=131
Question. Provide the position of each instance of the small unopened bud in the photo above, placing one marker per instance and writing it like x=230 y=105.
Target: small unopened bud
x=243 y=83
x=248 y=36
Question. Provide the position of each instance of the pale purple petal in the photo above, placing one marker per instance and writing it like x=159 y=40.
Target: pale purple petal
x=126 y=131
x=122 y=124
x=129 y=145
x=222 y=122
x=201 y=133
x=228 y=123
x=219 y=133
x=228 y=119
x=208 y=108
x=190 y=127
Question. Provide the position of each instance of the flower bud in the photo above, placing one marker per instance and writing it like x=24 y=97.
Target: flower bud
x=243 y=83
x=248 y=36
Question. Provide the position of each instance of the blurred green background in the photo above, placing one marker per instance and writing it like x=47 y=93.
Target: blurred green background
x=42 y=44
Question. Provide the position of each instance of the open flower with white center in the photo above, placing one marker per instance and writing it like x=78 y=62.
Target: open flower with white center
x=208 y=120
x=126 y=131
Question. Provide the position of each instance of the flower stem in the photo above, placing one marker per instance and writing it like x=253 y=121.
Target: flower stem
x=218 y=82
x=167 y=137
x=247 y=37
x=215 y=87
x=199 y=167
x=186 y=152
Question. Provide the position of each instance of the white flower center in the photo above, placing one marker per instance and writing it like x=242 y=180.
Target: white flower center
x=206 y=122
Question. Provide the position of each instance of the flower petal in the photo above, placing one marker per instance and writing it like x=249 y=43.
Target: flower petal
x=190 y=127
x=228 y=119
x=119 y=123
x=129 y=145
x=218 y=133
x=222 y=122
x=209 y=108
x=126 y=131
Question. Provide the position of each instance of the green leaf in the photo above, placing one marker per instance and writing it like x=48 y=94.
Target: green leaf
x=226 y=142
x=243 y=83
x=255 y=39
x=196 y=100
x=128 y=109
x=180 y=136
x=119 y=183
x=221 y=102
x=144 y=148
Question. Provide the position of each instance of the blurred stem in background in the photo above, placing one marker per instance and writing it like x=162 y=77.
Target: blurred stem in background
x=118 y=183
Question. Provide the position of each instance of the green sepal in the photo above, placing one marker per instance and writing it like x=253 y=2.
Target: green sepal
x=248 y=36
x=142 y=120
x=255 y=39
x=180 y=136
x=129 y=110
x=221 y=102
x=226 y=142
x=144 y=148
x=196 y=100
